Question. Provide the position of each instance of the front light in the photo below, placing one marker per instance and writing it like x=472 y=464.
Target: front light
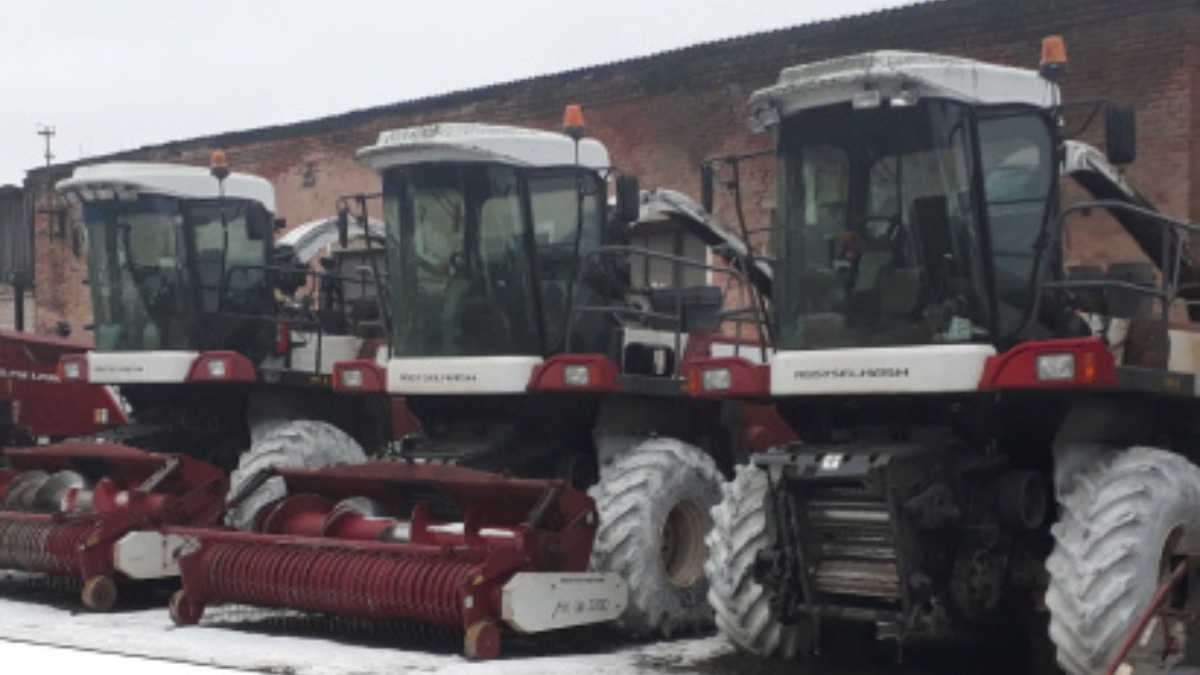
x=1056 y=367
x=72 y=371
x=577 y=376
x=717 y=379
x=351 y=378
x=218 y=369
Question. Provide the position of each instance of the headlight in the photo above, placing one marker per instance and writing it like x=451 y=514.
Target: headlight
x=218 y=369
x=577 y=376
x=351 y=378
x=717 y=379
x=72 y=371
x=1056 y=367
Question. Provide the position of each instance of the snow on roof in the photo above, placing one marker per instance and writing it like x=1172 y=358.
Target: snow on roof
x=890 y=72
x=172 y=180
x=460 y=142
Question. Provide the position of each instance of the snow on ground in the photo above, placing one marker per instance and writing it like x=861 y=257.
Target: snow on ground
x=28 y=626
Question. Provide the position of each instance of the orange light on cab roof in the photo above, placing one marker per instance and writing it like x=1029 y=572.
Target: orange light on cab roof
x=219 y=164
x=573 y=124
x=1054 y=58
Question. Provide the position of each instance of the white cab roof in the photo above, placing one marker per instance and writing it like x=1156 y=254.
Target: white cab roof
x=460 y=142
x=171 y=180
x=928 y=75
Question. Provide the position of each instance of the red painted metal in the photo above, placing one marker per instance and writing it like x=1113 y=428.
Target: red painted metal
x=1017 y=367
x=129 y=490
x=374 y=377
x=40 y=402
x=551 y=375
x=316 y=552
x=237 y=368
x=746 y=378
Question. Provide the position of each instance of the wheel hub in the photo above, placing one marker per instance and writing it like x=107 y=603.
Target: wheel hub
x=683 y=548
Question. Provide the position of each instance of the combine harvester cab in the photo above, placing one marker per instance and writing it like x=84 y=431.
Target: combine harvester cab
x=953 y=375
x=216 y=336
x=36 y=404
x=523 y=341
x=79 y=509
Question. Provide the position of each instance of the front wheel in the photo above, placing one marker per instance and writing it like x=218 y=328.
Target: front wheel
x=654 y=503
x=305 y=444
x=1121 y=519
x=743 y=525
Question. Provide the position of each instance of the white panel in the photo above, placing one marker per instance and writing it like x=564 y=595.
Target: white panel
x=538 y=601
x=151 y=555
x=923 y=369
x=461 y=375
x=139 y=367
x=334 y=348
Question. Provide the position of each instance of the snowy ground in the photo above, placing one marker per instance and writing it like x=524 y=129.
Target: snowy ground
x=39 y=626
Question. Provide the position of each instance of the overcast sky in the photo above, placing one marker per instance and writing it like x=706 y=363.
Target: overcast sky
x=112 y=75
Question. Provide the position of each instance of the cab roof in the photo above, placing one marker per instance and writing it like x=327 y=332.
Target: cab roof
x=463 y=142
x=171 y=180
x=894 y=74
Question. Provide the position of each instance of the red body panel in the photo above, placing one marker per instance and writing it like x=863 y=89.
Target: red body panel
x=42 y=404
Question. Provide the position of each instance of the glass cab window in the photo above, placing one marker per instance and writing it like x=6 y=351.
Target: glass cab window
x=1017 y=160
x=566 y=228
x=148 y=291
x=455 y=243
x=878 y=216
x=140 y=286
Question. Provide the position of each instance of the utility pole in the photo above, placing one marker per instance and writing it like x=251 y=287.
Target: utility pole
x=48 y=133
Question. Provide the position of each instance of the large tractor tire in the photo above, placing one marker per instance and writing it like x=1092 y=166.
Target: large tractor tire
x=654 y=502
x=295 y=444
x=743 y=525
x=1121 y=517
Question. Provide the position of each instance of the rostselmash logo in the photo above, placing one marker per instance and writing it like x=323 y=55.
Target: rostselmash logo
x=882 y=373
x=426 y=378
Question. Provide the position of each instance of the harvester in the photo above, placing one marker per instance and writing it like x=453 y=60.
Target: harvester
x=520 y=338
x=199 y=323
x=953 y=375
x=196 y=318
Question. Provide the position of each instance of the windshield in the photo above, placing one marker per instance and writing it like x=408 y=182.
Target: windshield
x=140 y=289
x=144 y=295
x=459 y=245
x=879 y=233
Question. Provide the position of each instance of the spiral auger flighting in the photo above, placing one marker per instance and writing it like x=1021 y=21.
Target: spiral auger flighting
x=76 y=510
x=369 y=543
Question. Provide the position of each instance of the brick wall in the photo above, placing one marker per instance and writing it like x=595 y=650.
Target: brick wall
x=661 y=115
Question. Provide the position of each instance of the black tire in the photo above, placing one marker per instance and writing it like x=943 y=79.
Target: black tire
x=308 y=444
x=743 y=525
x=1120 y=515
x=654 y=502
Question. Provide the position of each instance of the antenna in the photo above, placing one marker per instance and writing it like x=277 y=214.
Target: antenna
x=48 y=133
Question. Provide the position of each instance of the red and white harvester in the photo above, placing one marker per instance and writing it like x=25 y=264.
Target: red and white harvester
x=954 y=376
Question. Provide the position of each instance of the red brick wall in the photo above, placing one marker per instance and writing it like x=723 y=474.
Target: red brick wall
x=660 y=116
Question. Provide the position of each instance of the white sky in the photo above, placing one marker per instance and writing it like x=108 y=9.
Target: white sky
x=113 y=75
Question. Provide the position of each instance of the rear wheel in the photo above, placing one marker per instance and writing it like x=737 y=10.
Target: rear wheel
x=306 y=444
x=742 y=526
x=654 y=503
x=1121 y=517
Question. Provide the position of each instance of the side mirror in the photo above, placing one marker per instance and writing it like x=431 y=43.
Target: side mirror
x=343 y=226
x=280 y=224
x=1120 y=133
x=259 y=223
x=628 y=199
x=706 y=186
